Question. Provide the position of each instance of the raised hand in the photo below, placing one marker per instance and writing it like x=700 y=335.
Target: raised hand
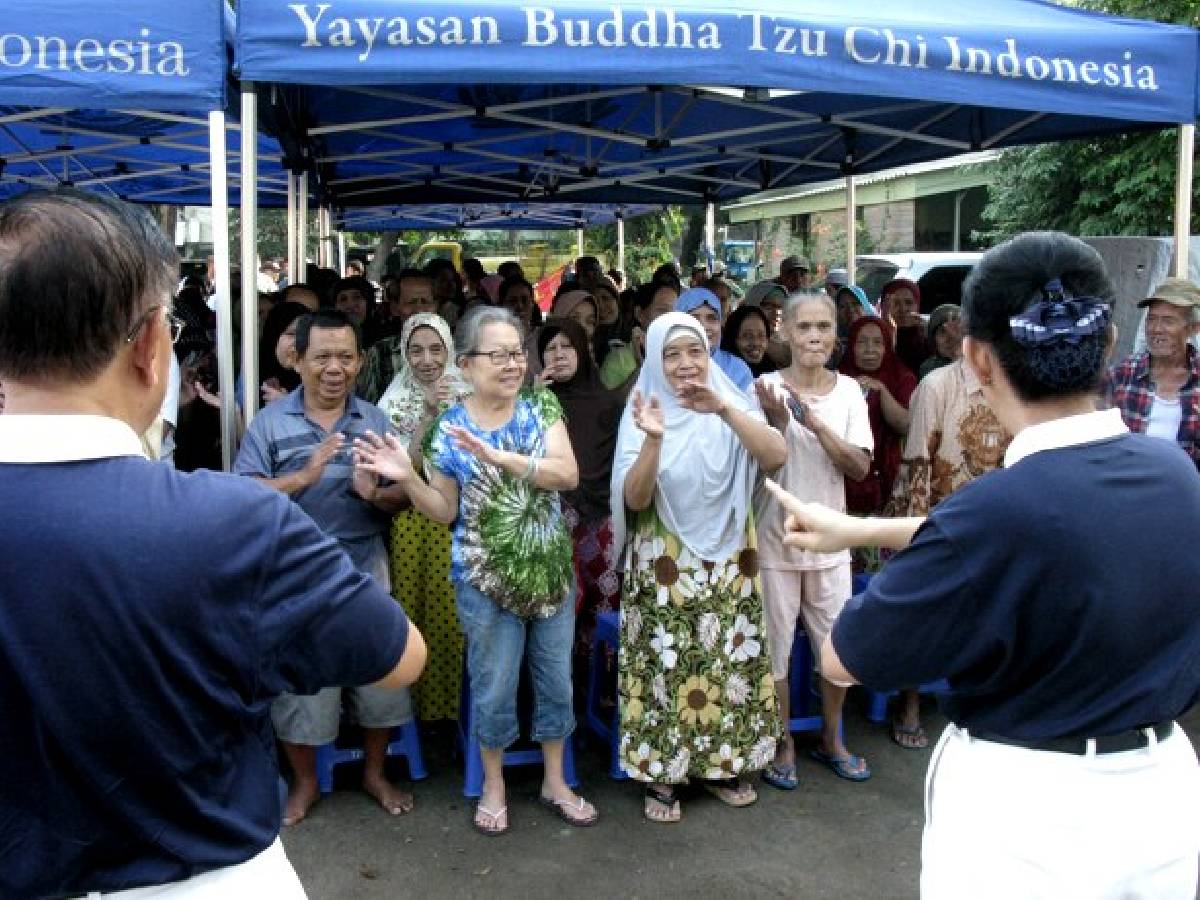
x=773 y=405
x=648 y=416
x=467 y=440
x=364 y=482
x=811 y=526
x=801 y=411
x=326 y=451
x=272 y=390
x=382 y=456
x=699 y=397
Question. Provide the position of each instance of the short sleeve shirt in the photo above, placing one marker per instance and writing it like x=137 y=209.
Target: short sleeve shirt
x=148 y=618
x=810 y=474
x=1068 y=618
x=510 y=539
x=280 y=440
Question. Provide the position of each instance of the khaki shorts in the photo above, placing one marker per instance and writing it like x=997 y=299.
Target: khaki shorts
x=816 y=596
x=313 y=719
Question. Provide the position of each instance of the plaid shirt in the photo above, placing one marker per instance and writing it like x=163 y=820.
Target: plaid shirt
x=1129 y=388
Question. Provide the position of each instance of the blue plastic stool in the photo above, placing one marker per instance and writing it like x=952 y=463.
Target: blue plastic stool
x=801 y=688
x=606 y=726
x=406 y=742
x=473 y=759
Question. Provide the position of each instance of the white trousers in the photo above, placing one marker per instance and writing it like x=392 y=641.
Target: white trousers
x=1006 y=822
x=268 y=876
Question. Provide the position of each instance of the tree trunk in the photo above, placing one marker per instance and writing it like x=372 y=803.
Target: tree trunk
x=378 y=267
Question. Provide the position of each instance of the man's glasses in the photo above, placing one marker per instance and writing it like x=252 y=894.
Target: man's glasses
x=174 y=323
x=500 y=357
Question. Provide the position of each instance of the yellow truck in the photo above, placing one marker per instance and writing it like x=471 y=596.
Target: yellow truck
x=537 y=260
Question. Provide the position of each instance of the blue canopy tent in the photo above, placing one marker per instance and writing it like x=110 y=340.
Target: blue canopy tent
x=534 y=216
x=132 y=103
x=578 y=101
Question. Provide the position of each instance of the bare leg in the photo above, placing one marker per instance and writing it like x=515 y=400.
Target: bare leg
x=303 y=793
x=374 y=782
x=906 y=726
x=493 y=797
x=785 y=753
x=833 y=698
x=555 y=788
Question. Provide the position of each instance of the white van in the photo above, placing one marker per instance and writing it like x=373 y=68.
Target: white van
x=939 y=275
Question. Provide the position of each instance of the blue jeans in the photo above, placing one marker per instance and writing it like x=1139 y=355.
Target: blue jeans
x=497 y=641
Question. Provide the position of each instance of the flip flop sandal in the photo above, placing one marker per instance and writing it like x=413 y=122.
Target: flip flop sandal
x=668 y=800
x=487 y=822
x=852 y=768
x=571 y=813
x=738 y=796
x=918 y=739
x=781 y=777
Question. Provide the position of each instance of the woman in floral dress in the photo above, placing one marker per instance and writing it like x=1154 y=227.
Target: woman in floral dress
x=696 y=695
x=428 y=383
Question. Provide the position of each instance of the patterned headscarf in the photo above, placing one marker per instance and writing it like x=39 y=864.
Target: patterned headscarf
x=404 y=399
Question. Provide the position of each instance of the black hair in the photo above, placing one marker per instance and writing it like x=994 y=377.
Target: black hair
x=645 y=292
x=508 y=284
x=408 y=274
x=1008 y=280
x=77 y=273
x=473 y=268
x=285 y=296
x=282 y=315
x=354 y=283
x=509 y=269
x=331 y=319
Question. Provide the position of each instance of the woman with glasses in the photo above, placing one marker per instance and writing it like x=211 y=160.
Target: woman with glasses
x=496 y=463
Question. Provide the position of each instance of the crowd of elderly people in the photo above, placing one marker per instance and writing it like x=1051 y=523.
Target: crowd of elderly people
x=511 y=477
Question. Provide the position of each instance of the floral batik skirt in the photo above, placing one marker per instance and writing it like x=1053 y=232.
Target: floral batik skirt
x=695 y=690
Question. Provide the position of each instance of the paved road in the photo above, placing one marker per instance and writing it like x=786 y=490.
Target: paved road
x=830 y=838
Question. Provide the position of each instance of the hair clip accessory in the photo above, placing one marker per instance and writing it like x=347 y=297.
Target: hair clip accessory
x=1057 y=317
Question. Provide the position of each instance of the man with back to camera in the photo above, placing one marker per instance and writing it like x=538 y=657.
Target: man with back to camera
x=147 y=617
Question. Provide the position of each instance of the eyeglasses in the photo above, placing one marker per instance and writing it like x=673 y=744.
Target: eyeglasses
x=174 y=323
x=500 y=357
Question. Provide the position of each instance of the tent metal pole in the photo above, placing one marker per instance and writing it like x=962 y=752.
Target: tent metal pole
x=851 y=232
x=578 y=242
x=1183 y=199
x=220 y=224
x=341 y=239
x=621 y=244
x=249 y=251
x=956 y=241
x=291 y=227
x=301 y=228
x=710 y=232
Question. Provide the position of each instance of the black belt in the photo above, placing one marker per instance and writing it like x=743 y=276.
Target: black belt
x=1134 y=739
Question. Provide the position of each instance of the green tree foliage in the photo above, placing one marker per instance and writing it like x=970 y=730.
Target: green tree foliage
x=1124 y=184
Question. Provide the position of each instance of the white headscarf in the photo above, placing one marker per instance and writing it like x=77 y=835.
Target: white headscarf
x=705 y=475
x=404 y=399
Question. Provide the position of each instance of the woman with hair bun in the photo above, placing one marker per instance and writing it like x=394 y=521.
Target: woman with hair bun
x=1054 y=598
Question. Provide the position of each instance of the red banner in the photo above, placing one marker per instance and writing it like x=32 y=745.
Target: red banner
x=544 y=290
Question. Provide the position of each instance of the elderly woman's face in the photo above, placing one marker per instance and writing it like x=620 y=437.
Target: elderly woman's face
x=869 y=348
x=560 y=358
x=685 y=360
x=285 y=347
x=426 y=355
x=751 y=340
x=497 y=366
x=811 y=333
x=901 y=303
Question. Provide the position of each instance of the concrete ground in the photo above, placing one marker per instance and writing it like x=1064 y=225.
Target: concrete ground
x=831 y=838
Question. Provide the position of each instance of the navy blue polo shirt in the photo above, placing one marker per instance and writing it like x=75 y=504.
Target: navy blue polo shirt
x=147 y=620
x=1058 y=597
x=280 y=440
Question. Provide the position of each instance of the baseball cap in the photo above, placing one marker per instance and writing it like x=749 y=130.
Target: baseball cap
x=1176 y=291
x=838 y=277
x=794 y=262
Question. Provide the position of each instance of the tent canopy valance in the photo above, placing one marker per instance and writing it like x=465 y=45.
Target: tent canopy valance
x=452 y=216
x=587 y=102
